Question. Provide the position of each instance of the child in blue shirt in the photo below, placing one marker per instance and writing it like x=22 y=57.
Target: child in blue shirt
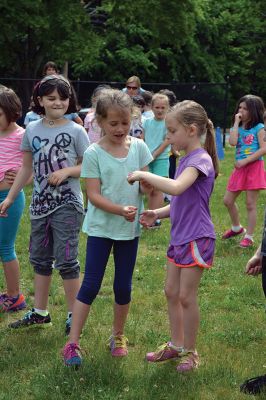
x=247 y=134
x=112 y=220
x=155 y=137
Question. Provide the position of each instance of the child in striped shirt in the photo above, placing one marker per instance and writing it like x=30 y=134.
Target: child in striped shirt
x=10 y=161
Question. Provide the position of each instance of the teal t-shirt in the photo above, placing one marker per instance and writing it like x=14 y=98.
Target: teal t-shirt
x=154 y=134
x=248 y=141
x=113 y=172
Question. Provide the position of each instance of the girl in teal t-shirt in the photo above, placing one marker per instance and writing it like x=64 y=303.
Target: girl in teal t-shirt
x=247 y=135
x=112 y=220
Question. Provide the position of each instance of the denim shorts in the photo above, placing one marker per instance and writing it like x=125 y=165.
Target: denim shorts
x=54 y=242
x=198 y=253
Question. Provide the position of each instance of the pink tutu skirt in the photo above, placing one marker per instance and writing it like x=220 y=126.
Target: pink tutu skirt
x=249 y=177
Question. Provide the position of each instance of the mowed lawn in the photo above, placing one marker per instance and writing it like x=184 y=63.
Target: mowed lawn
x=231 y=340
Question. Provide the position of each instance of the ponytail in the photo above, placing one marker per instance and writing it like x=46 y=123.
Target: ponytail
x=189 y=112
x=210 y=146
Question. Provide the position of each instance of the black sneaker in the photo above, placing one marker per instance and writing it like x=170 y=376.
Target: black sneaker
x=68 y=325
x=254 y=385
x=32 y=319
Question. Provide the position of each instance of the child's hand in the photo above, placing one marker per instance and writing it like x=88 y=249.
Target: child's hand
x=133 y=177
x=175 y=151
x=10 y=176
x=147 y=218
x=4 y=206
x=240 y=163
x=238 y=117
x=254 y=266
x=57 y=177
x=129 y=213
x=154 y=155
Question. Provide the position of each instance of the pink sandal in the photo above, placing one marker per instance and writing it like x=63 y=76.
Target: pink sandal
x=189 y=361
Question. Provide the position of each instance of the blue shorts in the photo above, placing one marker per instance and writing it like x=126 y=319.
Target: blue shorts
x=9 y=226
x=159 y=167
x=198 y=253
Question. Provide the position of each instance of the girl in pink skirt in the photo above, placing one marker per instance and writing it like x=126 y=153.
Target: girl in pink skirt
x=247 y=135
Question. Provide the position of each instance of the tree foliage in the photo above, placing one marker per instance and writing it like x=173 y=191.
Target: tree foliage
x=230 y=41
x=145 y=36
x=188 y=40
x=35 y=31
x=159 y=40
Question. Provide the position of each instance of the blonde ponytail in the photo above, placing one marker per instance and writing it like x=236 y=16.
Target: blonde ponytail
x=189 y=112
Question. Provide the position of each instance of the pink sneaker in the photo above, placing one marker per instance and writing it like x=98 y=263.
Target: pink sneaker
x=246 y=242
x=72 y=355
x=189 y=361
x=164 y=353
x=12 y=304
x=229 y=234
x=118 y=345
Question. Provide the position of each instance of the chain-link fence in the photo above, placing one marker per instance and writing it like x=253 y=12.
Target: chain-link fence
x=212 y=96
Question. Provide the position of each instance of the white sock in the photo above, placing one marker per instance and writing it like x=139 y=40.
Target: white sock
x=250 y=237
x=236 y=228
x=179 y=349
x=43 y=313
x=69 y=314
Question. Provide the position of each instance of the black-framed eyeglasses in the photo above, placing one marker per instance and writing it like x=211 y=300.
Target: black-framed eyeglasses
x=132 y=87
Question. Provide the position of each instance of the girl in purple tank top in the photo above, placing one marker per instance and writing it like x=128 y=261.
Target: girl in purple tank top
x=192 y=241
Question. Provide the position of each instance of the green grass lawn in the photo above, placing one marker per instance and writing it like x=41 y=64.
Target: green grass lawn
x=231 y=340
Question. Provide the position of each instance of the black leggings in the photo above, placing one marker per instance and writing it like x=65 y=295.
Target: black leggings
x=264 y=274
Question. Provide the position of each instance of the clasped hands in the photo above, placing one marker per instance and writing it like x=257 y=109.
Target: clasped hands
x=147 y=217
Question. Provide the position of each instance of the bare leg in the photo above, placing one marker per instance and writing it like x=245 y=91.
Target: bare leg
x=79 y=316
x=71 y=287
x=41 y=287
x=11 y=269
x=155 y=199
x=175 y=311
x=189 y=283
x=120 y=317
x=229 y=202
x=251 y=202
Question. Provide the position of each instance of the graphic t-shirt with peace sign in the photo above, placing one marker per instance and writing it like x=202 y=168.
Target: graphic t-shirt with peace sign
x=53 y=149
